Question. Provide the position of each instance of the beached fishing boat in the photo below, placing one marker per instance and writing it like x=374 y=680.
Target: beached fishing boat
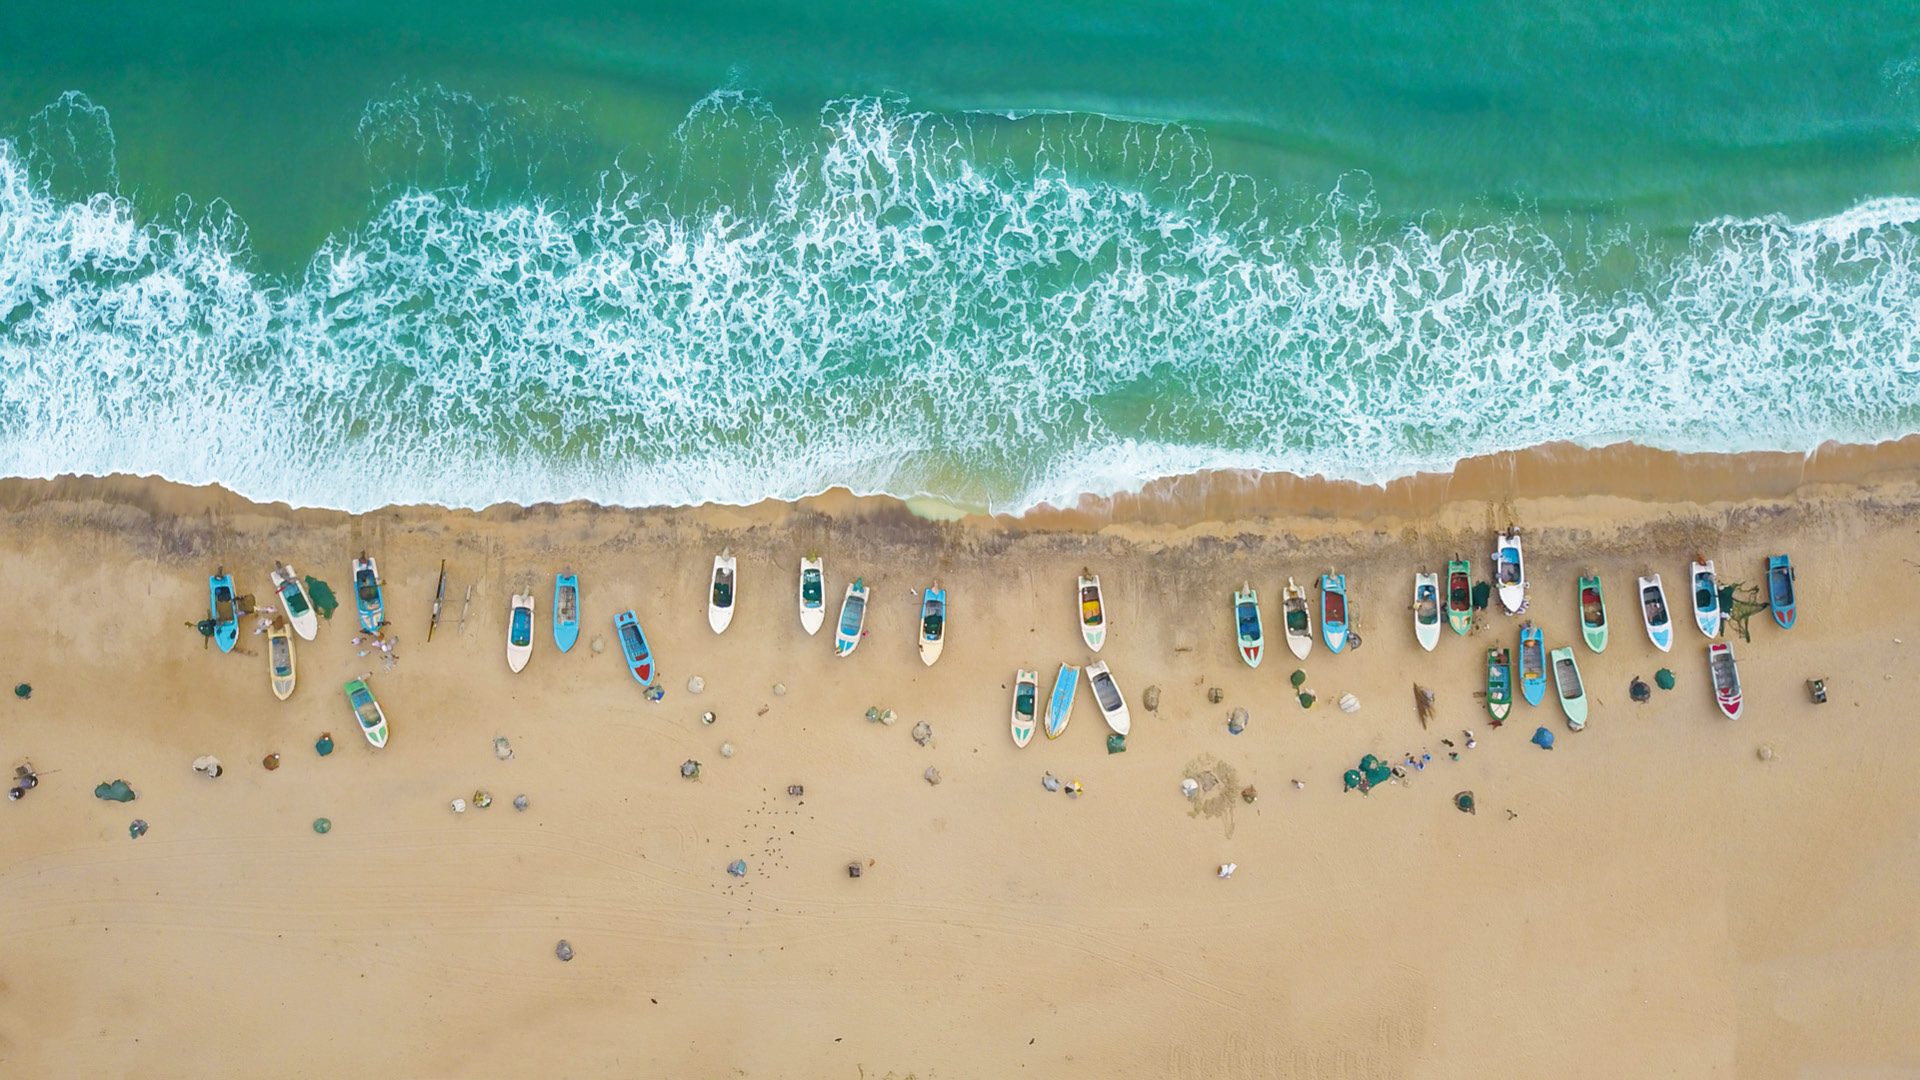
x=1706 y=596
x=519 y=631
x=1655 y=614
x=853 y=619
x=1726 y=678
x=1106 y=694
x=1060 y=705
x=633 y=645
x=1026 y=694
x=295 y=601
x=720 y=596
x=1533 y=664
x=1093 y=610
x=1510 y=571
x=1426 y=610
x=1296 y=619
x=367 y=597
x=367 y=712
x=933 y=624
x=1499 y=685
x=1593 y=613
x=1573 y=692
x=224 y=607
x=813 y=595
x=1460 y=596
x=280 y=658
x=1333 y=610
x=1246 y=621
x=566 y=610
x=1780 y=580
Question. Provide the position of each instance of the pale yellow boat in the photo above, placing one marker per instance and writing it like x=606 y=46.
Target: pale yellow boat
x=280 y=658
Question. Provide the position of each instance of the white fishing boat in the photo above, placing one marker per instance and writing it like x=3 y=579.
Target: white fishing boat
x=720 y=596
x=1655 y=614
x=1106 y=694
x=1510 y=571
x=280 y=658
x=1248 y=634
x=1093 y=610
x=1726 y=679
x=1296 y=619
x=933 y=624
x=519 y=631
x=295 y=601
x=1426 y=610
x=1706 y=596
x=1026 y=695
x=853 y=619
x=813 y=595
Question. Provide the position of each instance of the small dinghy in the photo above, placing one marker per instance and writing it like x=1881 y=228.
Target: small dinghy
x=1593 y=613
x=1093 y=610
x=519 y=631
x=1533 y=665
x=1780 y=577
x=1333 y=610
x=1510 y=571
x=1106 y=694
x=1706 y=597
x=1426 y=610
x=1573 y=692
x=1246 y=622
x=280 y=658
x=720 y=596
x=1654 y=613
x=366 y=711
x=1726 y=678
x=224 y=607
x=1499 y=684
x=1060 y=706
x=933 y=624
x=295 y=601
x=367 y=598
x=1460 y=596
x=1026 y=694
x=813 y=595
x=566 y=610
x=1296 y=619
x=633 y=645
x=853 y=619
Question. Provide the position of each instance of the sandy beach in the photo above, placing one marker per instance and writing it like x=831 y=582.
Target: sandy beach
x=1650 y=898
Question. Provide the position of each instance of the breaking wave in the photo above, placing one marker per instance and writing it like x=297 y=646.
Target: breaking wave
x=998 y=311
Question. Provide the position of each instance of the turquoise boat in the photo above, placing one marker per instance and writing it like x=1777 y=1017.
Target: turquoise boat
x=225 y=611
x=633 y=643
x=1333 y=610
x=367 y=597
x=1780 y=577
x=1060 y=707
x=1533 y=664
x=566 y=610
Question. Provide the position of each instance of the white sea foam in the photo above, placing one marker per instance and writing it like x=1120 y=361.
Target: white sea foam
x=990 y=311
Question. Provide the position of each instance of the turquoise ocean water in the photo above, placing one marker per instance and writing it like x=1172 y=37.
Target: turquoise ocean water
x=996 y=252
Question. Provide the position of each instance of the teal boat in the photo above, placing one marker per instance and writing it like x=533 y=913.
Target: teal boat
x=633 y=645
x=1593 y=613
x=224 y=608
x=1499 y=685
x=1780 y=579
x=1060 y=707
x=566 y=610
x=1533 y=664
x=367 y=597
x=1573 y=690
x=367 y=712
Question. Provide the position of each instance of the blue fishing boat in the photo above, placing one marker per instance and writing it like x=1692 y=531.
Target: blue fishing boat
x=224 y=608
x=566 y=610
x=367 y=598
x=633 y=644
x=1780 y=577
x=1333 y=610
x=1060 y=707
x=1533 y=664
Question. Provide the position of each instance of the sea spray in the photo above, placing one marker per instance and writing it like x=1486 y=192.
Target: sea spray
x=994 y=312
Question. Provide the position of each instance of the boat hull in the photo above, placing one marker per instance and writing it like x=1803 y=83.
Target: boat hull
x=1593 y=613
x=1026 y=686
x=1653 y=596
x=1249 y=637
x=279 y=642
x=933 y=603
x=1725 y=675
x=1092 y=615
x=634 y=647
x=1060 y=704
x=566 y=611
x=1106 y=695
x=853 y=619
x=1426 y=610
x=1704 y=586
x=1460 y=596
x=1293 y=601
x=1533 y=665
x=226 y=624
x=371 y=609
x=1333 y=611
x=1781 y=596
x=519 y=632
x=813 y=610
x=296 y=602
x=1499 y=684
x=721 y=594
x=367 y=713
x=1570 y=687
x=1510 y=572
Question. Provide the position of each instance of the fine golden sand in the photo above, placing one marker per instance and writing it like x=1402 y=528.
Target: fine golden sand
x=1650 y=899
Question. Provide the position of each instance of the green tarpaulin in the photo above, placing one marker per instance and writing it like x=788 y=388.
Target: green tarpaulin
x=324 y=601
